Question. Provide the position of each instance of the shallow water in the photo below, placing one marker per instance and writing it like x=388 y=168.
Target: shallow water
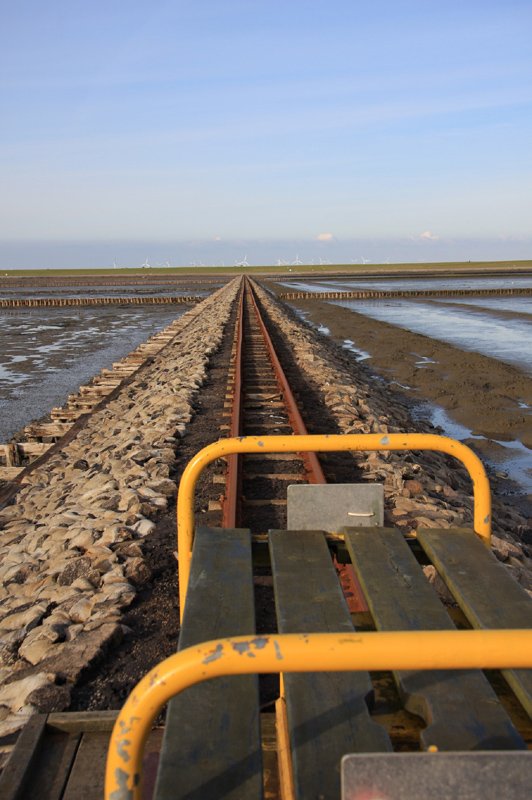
x=46 y=354
x=512 y=458
x=410 y=284
x=508 y=340
x=516 y=305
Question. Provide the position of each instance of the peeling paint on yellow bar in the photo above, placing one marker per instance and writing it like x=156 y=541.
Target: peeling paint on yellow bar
x=311 y=652
x=321 y=443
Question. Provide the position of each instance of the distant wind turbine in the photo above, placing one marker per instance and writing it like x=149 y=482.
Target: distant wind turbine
x=243 y=263
x=364 y=260
x=297 y=262
x=145 y=265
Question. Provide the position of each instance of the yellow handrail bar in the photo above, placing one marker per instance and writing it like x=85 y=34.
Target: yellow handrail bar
x=321 y=443
x=313 y=652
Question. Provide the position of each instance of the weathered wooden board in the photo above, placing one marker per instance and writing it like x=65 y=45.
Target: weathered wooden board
x=85 y=779
x=39 y=429
x=327 y=712
x=62 y=756
x=212 y=746
x=56 y=759
x=484 y=590
x=10 y=473
x=15 y=773
x=460 y=708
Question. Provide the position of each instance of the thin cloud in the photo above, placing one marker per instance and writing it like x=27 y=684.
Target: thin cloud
x=429 y=236
x=324 y=237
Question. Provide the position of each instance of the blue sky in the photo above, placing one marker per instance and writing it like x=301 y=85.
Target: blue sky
x=210 y=130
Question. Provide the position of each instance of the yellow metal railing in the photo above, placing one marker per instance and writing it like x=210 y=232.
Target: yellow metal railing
x=321 y=444
x=313 y=652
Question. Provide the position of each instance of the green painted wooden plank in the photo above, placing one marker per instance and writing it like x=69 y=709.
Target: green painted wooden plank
x=52 y=767
x=484 y=589
x=18 y=768
x=460 y=708
x=87 y=777
x=327 y=712
x=82 y=721
x=212 y=746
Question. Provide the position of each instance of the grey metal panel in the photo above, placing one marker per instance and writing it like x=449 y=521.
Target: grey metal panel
x=438 y=776
x=331 y=507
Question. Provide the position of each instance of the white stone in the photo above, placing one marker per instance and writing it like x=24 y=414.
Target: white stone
x=143 y=527
x=81 y=611
x=14 y=694
x=37 y=650
x=27 y=619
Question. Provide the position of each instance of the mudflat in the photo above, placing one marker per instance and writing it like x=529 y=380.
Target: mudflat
x=482 y=393
x=487 y=396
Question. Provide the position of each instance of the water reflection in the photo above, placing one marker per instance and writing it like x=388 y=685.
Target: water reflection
x=518 y=305
x=47 y=354
x=513 y=458
x=411 y=284
x=508 y=340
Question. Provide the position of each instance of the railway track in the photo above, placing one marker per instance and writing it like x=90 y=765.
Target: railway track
x=260 y=401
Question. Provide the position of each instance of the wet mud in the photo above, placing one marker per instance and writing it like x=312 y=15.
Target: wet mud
x=490 y=398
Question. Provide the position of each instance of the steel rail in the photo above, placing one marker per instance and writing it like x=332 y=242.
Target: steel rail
x=312 y=465
x=353 y=592
x=321 y=443
x=231 y=497
x=308 y=652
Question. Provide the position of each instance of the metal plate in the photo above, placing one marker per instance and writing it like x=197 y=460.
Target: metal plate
x=438 y=776
x=331 y=507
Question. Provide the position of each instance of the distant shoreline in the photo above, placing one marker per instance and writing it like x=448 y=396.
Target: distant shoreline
x=439 y=269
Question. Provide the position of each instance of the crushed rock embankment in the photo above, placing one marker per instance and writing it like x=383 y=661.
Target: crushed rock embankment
x=71 y=554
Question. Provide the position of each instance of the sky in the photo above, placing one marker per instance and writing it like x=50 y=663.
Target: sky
x=209 y=131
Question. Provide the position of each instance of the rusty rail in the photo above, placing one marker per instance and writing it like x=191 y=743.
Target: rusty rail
x=313 y=470
x=312 y=465
x=351 y=587
x=230 y=500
